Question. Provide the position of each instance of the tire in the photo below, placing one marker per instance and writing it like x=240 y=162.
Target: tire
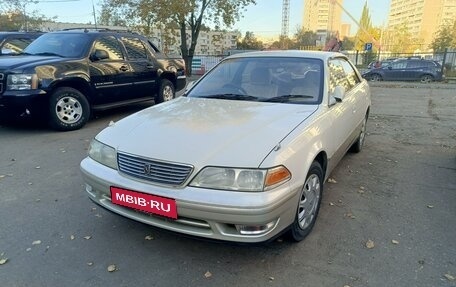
x=358 y=145
x=68 y=109
x=166 y=92
x=308 y=204
x=376 y=78
x=426 y=78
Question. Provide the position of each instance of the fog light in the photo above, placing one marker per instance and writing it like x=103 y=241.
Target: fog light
x=88 y=188
x=256 y=229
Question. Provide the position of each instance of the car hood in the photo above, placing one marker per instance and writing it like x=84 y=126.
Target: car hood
x=25 y=61
x=206 y=131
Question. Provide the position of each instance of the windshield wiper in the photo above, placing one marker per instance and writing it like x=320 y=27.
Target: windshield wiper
x=231 y=97
x=286 y=98
x=47 y=54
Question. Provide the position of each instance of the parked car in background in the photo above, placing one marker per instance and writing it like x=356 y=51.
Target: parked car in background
x=13 y=43
x=243 y=155
x=65 y=75
x=407 y=70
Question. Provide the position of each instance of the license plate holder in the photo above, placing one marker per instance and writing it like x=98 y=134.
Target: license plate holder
x=144 y=202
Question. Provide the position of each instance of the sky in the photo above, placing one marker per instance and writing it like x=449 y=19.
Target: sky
x=263 y=19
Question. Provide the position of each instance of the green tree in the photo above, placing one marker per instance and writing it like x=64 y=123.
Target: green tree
x=14 y=16
x=188 y=17
x=400 y=40
x=304 y=38
x=249 y=42
x=363 y=35
x=445 y=38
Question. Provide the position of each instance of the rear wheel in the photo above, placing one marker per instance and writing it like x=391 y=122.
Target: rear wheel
x=376 y=78
x=308 y=204
x=69 y=109
x=165 y=92
x=426 y=79
x=358 y=145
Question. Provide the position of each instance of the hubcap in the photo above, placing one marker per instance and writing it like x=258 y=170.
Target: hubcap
x=308 y=202
x=426 y=79
x=68 y=110
x=167 y=93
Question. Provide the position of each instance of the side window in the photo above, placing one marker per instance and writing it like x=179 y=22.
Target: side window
x=398 y=65
x=413 y=64
x=135 y=48
x=17 y=45
x=111 y=46
x=352 y=77
x=337 y=75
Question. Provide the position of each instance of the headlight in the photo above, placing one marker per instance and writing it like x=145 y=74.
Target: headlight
x=103 y=154
x=238 y=179
x=22 y=82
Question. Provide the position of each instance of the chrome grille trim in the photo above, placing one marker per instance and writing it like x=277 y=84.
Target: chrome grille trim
x=162 y=172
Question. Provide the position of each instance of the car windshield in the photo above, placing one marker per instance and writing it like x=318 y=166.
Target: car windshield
x=264 y=79
x=59 y=44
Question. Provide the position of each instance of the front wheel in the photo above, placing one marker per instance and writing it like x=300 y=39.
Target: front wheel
x=308 y=204
x=69 y=109
x=375 y=78
x=165 y=92
x=426 y=79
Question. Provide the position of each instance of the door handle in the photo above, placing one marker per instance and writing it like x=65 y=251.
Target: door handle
x=123 y=68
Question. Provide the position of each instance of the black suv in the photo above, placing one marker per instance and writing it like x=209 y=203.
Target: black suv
x=65 y=75
x=407 y=70
x=12 y=43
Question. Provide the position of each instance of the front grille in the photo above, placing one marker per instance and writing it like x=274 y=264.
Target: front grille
x=154 y=171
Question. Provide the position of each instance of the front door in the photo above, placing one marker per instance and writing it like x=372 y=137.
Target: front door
x=109 y=75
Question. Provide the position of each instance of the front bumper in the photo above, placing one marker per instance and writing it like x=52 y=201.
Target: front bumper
x=15 y=103
x=212 y=214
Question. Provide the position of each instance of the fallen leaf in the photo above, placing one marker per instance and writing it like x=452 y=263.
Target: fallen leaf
x=430 y=206
x=449 y=277
x=271 y=278
x=346 y=285
x=149 y=237
x=208 y=274
x=87 y=237
x=90 y=263
x=98 y=215
x=3 y=261
x=350 y=215
x=332 y=180
x=38 y=167
x=71 y=237
x=111 y=123
x=112 y=268
x=2 y=176
x=361 y=191
x=370 y=244
x=36 y=242
x=331 y=204
x=362 y=187
x=394 y=241
x=28 y=249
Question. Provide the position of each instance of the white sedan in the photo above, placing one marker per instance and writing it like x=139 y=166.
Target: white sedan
x=242 y=156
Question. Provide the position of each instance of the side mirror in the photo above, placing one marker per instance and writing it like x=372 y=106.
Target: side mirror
x=99 y=55
x=337 y=96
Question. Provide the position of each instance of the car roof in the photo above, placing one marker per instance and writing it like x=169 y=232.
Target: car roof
x=289 y=53
x=92 y=31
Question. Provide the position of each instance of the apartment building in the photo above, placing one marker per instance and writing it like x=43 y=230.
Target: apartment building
x=422 y=17
x=322 y=15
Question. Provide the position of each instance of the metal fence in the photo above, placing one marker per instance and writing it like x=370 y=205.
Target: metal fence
x=202 y=63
